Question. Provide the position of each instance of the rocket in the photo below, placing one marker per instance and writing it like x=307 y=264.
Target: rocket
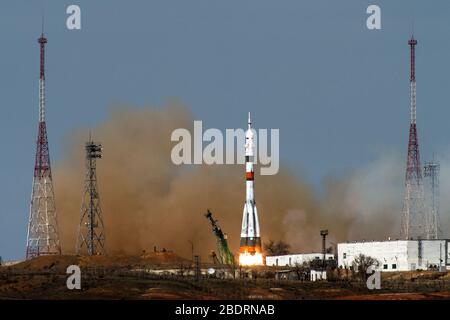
x=250 y=235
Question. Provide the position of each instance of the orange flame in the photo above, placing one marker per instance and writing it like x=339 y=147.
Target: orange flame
x=248 y=259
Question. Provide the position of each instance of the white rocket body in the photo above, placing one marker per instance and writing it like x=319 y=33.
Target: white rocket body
x=250 y=233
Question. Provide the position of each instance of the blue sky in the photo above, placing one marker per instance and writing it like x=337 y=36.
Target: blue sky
x=337 y=91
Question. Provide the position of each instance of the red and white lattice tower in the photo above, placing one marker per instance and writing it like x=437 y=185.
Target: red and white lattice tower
x=42 y=238
x=414 y=222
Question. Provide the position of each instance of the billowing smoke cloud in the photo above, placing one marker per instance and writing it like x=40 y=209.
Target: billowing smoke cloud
x=370 y=198
x=147 y=201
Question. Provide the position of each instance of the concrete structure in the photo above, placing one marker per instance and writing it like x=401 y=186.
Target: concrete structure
x=399 y=255
x=291 y=259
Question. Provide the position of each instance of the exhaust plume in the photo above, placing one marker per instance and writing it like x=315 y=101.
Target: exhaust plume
x=147 y=201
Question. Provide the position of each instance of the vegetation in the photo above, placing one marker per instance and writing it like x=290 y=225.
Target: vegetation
x=361 y=263
x=273 y=248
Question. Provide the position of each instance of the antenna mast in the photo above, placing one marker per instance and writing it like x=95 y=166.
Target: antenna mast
x=91 y=233
x=414 y=221
x=431 y=172
x=42 y=235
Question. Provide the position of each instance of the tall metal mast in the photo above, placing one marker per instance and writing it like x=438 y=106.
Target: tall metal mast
x=431 y=172
x=42 y=236
x=414 y=222
x=91 y=232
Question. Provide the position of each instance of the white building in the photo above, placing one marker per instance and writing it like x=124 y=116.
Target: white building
x=291 y=259
x=399 y=255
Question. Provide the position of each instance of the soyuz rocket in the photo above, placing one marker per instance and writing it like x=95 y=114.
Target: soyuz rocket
x=250 y=235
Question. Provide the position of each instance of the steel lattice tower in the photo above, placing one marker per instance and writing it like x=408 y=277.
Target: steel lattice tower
x=414 y=222
x=91 y=233
x=42 y=237
x=431 y=172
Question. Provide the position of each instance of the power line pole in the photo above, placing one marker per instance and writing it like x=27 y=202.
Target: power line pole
x=324 y=234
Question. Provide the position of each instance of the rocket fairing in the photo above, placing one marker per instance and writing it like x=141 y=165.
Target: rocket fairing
x=250 y=233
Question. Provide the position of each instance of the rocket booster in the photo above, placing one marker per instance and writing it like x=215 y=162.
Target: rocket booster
x=250 y=235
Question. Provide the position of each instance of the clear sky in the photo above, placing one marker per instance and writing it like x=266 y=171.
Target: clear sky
x=337 y=91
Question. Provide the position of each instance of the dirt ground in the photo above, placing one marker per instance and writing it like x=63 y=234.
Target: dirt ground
x=125 y=277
